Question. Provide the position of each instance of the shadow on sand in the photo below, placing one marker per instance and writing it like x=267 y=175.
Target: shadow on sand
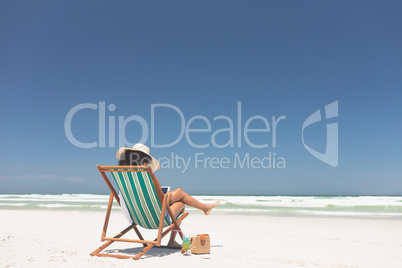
x=153 y=252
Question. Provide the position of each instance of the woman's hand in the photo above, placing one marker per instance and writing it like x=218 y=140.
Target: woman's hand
x=148 y=167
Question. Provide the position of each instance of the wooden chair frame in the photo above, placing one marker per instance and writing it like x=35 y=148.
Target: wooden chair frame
x=146 y=243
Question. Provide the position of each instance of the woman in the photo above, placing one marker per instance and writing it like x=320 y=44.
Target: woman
x=139 y=156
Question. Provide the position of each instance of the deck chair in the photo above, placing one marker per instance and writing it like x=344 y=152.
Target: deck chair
x=137 y=188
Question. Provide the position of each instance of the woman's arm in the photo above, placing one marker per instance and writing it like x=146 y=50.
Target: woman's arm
x=157 y=184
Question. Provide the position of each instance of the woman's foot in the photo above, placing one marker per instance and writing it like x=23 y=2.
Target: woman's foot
x=174 y=244
x=210 y=207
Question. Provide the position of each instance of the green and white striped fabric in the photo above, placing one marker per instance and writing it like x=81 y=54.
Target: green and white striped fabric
x=140 y=197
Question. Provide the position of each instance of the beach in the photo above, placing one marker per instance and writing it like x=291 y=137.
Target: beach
x=287 y=112
x=55 y=238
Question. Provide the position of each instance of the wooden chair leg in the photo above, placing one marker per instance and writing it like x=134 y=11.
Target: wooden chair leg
x=106 y=223
x=96 y=252
x=145 y=250
x=162 y=220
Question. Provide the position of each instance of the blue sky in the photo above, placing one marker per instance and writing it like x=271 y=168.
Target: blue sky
x=277 y=58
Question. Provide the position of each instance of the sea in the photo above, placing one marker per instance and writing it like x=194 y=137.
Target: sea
x=336 y=206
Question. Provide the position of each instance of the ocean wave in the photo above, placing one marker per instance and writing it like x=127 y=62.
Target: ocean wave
x=14 y=204
x=234 y=204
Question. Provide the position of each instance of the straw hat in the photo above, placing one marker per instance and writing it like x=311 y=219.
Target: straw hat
x=140 y=148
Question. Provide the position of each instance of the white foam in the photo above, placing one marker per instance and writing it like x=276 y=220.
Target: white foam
x=312 y=205
x=14 y=204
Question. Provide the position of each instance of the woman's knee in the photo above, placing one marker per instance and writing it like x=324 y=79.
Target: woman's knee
x=179 y=192
x=177 y=195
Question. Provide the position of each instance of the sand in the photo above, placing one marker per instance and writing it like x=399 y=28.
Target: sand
x=65 y=239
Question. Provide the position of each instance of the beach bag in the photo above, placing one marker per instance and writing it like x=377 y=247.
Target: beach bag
x=200 y=244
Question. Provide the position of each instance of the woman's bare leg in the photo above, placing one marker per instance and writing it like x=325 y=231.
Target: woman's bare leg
x=176 y=208
x=179 y=195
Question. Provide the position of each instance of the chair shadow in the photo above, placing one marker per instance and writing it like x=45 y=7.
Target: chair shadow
x=153 y=252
